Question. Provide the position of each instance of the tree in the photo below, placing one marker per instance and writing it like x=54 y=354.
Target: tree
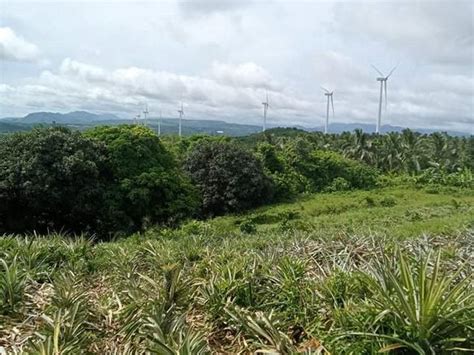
x=229 y=178
x=149 y=187
x=413 y=151
x=389 y=152
x=52 y=179
x=359 y=147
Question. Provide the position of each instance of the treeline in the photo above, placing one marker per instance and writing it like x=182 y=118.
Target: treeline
x=123 y=179
x=406 y=152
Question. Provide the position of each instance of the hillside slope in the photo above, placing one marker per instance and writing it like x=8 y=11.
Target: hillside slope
x=287 y=278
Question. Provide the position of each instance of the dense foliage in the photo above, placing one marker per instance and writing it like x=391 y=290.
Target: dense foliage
x=298 y=166
x=122 y=179
x=406 y=152
x=230 y=179
x=148 y=187
x=52 y=179
x=112 y=179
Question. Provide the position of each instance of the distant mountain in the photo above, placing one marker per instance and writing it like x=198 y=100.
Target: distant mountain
x=370 y=128
x=82 y=120
x=71 y=117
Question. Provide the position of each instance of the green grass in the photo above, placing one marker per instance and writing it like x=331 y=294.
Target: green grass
x=414 y=212
x=345 y=273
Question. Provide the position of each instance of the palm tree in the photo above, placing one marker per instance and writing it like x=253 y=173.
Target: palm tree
x=413 y=151
x=390 y=152
x=359 y=147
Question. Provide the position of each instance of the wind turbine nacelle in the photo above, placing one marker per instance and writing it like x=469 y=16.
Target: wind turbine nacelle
x=381 y=79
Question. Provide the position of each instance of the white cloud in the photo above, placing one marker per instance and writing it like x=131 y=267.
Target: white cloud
x=436 y=32
x=247 y=75
x=15 y=48
x=86 y=72
x=205 y=7
x=78 y=85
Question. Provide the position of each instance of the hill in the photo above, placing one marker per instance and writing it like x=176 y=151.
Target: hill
x=82 y=120
x=302 y=275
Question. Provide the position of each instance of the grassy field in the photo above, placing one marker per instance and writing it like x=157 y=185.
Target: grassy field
x=343 y=273
x=398 y=212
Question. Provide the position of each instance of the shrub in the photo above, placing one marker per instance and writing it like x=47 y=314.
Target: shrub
x=434 y=176
x=229 y=178
x=248 y=226
x=388 y=201
x=338 y=184
x=369 y=201
x=324 y=167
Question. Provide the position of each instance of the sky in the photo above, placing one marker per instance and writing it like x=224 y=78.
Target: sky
x=221 y=57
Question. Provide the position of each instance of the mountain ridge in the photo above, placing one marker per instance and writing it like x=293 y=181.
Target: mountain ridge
x=85 y=119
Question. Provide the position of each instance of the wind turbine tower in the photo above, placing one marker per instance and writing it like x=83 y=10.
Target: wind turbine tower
x=328 y=94
x=145 y=114
x=383 y=88
x=181 y=114
x=266 y=105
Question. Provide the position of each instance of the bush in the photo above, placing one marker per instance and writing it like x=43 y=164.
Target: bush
x=229 y=178
x=324 y=167
x=463 y=178
x=248 y=226
x=369 y=201
x=388 y=201
x=309 y=170
x=338 y=184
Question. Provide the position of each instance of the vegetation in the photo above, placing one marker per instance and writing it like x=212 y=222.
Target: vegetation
x=407 y=152
x=329 y=273
x=117 y=180
x=230 y=178
x=147 y=186
x=324 y=244
x=40 y=172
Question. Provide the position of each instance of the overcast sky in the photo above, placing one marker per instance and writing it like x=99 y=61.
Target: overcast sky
x=220 y=57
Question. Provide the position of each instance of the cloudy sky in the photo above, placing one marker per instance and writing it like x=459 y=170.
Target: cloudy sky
x=220 y=57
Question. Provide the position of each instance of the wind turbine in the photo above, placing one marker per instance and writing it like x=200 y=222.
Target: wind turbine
x=383 y=87
x=145 y=113
x=328 y=94
x=266 y=105
x=181 y=114
x=137 y=119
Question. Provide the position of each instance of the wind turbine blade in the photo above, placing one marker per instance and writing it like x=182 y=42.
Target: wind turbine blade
x=385 y=87
x=332 y=104
x=378 y=71
x=322 y=87
x=391 y=71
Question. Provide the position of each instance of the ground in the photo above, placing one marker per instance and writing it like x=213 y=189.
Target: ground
x=297 y=276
